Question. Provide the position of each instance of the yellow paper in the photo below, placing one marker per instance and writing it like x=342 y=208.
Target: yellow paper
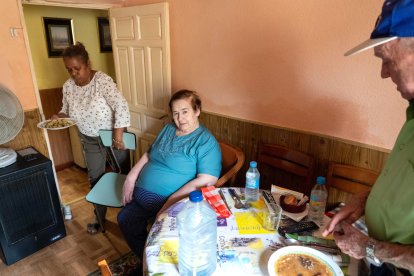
x=250 y=223
x=168 y=252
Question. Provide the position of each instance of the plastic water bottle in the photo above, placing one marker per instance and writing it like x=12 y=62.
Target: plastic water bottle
x=251 y=191
x=197 y=231
x=317 y=201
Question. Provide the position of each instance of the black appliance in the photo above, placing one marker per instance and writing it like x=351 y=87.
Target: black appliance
x=30 y=212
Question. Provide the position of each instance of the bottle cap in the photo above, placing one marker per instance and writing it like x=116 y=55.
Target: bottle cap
x=196 y=196
x=253 y=164
x=320 y=180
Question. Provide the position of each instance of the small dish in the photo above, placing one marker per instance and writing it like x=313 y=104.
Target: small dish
x=294 y=216
x=291 y=208
x=61 y=123
x=326 y=260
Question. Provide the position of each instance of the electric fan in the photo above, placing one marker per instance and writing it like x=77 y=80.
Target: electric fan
x=11 y=122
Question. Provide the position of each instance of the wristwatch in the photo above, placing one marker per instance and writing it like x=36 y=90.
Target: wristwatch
x=370 y=252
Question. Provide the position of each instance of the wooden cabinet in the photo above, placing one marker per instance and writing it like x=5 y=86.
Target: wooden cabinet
x=77 y=151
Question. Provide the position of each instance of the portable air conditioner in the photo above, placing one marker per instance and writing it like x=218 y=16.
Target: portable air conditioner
x=30 y=213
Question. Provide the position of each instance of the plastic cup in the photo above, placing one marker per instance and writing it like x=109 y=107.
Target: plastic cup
x=271 y=217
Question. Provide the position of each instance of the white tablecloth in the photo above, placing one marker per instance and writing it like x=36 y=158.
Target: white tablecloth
x=244 y=246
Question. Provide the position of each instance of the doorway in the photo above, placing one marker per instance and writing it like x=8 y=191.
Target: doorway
x=142 y=64
x=51 y=74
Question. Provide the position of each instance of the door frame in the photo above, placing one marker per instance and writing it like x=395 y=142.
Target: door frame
x=65 y=3
x=30 y=57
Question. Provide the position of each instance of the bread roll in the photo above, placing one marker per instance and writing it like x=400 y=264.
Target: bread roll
x=290 y=200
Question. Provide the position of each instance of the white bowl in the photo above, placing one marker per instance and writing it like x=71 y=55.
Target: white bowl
x=325 y=259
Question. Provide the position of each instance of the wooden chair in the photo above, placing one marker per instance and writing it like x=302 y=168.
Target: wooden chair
x=343 y=181
x=104 y=267
x=232 y=161
x=285 y=168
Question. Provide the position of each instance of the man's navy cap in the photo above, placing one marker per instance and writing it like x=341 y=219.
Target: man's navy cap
x=396 y=20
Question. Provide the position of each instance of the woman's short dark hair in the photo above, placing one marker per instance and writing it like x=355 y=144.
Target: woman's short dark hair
x=76 y=50
x=186 y=94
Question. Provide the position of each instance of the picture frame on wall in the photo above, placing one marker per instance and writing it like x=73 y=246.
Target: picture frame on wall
x=105 y=42
x=59 y=35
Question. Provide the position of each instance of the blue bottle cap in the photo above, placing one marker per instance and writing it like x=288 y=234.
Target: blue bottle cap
x=253 y=164
x=196 y=196
x=320 y=180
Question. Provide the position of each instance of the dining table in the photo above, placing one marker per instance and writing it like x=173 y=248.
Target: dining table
x=244 y=246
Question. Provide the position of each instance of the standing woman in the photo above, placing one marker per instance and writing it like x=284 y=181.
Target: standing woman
x=92 y=99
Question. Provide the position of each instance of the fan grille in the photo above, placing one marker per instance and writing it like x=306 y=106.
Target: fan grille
x=11 y=115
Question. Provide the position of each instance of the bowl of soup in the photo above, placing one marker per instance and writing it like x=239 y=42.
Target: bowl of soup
x=301 y=260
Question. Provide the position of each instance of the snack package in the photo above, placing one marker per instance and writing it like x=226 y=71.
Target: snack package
x=212 y=196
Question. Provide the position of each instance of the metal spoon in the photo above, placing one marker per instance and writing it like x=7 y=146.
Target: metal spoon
x=237 y=202
x=326 y=249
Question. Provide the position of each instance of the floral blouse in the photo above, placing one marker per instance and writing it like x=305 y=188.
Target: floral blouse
x=97 y=105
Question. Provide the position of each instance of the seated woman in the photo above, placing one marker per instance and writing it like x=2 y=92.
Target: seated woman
x=184 y=157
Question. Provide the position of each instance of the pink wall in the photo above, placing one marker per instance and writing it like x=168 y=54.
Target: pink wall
x=281 y=63
x=275 y=62
x=15 y=71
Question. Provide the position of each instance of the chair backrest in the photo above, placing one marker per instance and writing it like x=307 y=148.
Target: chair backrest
x=344 y=180
x=294 y=169
x=130 y=143
x=232 y=160
x=128 y=138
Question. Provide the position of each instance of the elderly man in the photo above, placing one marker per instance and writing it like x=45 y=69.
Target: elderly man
x=389 y=207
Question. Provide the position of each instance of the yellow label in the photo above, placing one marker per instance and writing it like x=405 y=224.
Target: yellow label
x=250 y=223
x=169 y=252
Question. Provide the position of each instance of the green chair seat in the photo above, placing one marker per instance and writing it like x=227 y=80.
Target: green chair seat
x=109 y=190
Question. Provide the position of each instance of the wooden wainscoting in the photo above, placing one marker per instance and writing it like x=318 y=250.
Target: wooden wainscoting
x=247 y=135
x=60 y=144
x=30 y=135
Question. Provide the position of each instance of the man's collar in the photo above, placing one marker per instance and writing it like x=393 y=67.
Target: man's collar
x=410 y=110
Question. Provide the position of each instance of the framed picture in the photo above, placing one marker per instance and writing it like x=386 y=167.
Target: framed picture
x=59 y=35
x=105 y=43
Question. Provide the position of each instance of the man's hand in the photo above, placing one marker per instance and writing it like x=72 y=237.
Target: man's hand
x=350 y=213
x=351 y=241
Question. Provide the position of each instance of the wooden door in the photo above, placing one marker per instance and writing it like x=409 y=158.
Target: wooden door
x=140 y=43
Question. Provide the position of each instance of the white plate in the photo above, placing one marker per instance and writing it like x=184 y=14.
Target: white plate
x=325 y=259
x=43 y=123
